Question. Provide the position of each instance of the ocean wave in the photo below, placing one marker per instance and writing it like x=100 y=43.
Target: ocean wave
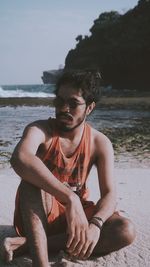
x=19 y=93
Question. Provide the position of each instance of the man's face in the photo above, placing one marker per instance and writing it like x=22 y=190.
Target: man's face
x=70 y=108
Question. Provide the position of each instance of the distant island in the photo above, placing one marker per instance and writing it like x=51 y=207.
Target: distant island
x=51 y=76
x=119 y=46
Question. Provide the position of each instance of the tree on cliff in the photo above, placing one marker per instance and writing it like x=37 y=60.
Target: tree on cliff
x=119 y=46
x=79 y=38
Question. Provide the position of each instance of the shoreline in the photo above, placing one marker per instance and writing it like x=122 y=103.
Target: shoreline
x=111 y=102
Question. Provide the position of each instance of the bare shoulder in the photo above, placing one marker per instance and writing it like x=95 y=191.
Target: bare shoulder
x=101 y=143
x=41 y=128
x=35 y=138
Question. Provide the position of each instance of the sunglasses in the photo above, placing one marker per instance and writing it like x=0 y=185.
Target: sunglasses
x=60 y=102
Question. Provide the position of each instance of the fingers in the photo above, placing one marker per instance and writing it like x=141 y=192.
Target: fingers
x=77 y=242
x=80 y=244
x=86 y=251
x=83 y=252
x=80 y=247
x=71 y=232
x=74 y=242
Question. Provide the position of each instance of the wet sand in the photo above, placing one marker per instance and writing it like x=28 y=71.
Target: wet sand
x=127 y=128
x=105 y=101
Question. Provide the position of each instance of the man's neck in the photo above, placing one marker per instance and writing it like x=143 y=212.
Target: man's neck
x=74 y=133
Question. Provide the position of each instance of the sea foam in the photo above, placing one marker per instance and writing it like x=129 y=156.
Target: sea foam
x=14 y=91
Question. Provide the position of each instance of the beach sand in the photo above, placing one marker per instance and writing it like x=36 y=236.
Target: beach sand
x=133 y=200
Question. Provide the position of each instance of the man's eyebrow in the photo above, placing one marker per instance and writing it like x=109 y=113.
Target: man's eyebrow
x=70 y=98
x=75 y=99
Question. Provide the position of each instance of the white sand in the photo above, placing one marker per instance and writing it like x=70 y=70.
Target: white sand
x=133 y=186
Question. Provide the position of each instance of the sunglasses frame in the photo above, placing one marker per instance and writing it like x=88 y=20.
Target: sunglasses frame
x=60 y=102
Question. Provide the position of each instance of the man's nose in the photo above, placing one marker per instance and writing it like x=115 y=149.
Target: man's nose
x=66 y=107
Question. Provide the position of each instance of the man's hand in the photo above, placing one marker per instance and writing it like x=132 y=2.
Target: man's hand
x=91 y=238
x=82 y=236
x=77 y=224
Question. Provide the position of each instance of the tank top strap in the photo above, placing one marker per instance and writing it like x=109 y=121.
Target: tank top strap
x=55 y=139
x=85 y=143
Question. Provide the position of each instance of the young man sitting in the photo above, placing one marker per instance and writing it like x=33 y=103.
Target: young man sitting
x=53 y=159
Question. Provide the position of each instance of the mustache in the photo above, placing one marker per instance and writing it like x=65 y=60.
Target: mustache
x=64 y=114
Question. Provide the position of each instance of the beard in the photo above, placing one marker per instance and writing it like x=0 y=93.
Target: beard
x=63 y=126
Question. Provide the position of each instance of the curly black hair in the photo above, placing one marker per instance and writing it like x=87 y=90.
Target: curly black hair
x=89 y=82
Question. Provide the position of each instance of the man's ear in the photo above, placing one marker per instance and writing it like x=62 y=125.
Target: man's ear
x=90 y=108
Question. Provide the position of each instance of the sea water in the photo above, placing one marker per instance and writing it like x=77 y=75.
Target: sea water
x=13 y=119
x=33 y=90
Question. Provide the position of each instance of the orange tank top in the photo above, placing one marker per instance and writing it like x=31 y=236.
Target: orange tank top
x=72 y=171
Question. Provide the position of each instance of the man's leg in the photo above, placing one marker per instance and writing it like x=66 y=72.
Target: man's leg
x=34 y=206
x=117 y=232
x=17 y=246
x=33 y=212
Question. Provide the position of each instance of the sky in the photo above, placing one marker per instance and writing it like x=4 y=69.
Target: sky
x=36 y=35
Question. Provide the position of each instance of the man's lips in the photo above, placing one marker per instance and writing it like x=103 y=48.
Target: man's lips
x=64 y=116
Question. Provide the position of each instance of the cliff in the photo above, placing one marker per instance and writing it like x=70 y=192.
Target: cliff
x=119 y=46
x=51 y=76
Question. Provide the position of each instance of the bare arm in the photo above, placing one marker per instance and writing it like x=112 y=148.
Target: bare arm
x=105 y=167
x=31 y=168
x=107 y=203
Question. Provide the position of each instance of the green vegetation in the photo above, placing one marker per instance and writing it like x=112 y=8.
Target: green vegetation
x=132 y=144
x=119 y=46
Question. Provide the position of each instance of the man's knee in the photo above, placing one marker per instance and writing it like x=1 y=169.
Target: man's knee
x=29 y=196
x=36 y=197
x=125 y=231
x=27 y=188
